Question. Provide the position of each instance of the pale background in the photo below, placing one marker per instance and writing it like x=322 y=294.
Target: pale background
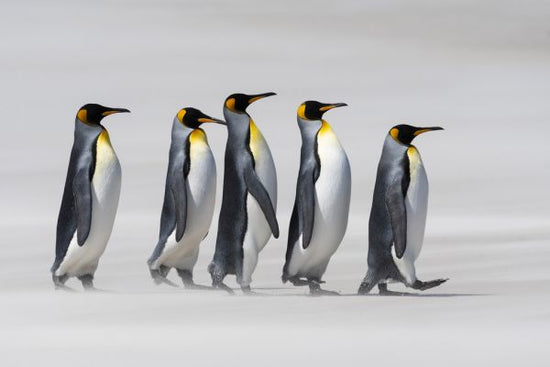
x=478 y=68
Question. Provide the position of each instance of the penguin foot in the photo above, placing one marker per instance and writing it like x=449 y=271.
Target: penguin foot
x=365 y=288
x=383 y=291
x=59 y=283
x=249 y=292
x=187 y=279
x=222 y=286
x=420 y=285
x=87 y=282
x=159 y=278
x=323 y=292
x=298 y=281
x=315 y=289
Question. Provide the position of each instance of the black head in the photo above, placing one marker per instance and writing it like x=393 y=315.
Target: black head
x=313 y=110
x=406 y=133
x=193 y=118
x=238 y=102
x=93 y=113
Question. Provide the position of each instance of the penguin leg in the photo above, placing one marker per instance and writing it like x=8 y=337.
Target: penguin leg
x=422 y=286
x=217 y=275
x=59 y=282
x=368 y=283
x=249 y=292
x=187 y=278
x=315 y=289
x=87 y=282
x=159 y=276
x=297 y=281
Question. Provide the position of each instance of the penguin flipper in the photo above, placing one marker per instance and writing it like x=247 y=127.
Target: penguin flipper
x=258 y=191
x=179 y=192
x=395 y=204
x=306 y=205
x=82 y=192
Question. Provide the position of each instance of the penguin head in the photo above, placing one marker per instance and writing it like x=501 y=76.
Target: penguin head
x=193 y=118
x=405 y=134
x=93 y=113
x=313 y=110
x=238 y=102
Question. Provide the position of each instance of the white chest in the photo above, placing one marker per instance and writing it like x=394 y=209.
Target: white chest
x=416 y=202
x=258 y=231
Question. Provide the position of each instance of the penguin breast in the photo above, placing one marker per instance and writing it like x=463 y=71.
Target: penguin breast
x=416 y=202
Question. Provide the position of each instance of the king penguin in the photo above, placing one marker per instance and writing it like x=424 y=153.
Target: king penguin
x=247 y=216
x=90 y=199
x=189 y=196
x=398 y=214
x=320 y=215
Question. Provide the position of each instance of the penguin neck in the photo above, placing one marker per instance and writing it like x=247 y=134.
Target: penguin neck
x=309 y=130
x=180 y=132
x=393 y=149
x=238 y=126
x=86 y=133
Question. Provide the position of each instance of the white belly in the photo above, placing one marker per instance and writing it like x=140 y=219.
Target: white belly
x=416 y=203
x=81 y=260
x=201 y=195
x=332 y=199
x=258 y=231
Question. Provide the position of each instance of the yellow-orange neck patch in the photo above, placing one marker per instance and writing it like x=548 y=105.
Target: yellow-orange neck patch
x=325 y=128
x=103 y=138
x=197 y=136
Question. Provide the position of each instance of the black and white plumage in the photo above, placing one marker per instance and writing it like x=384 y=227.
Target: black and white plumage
x=398 y=213
x=320 y=215
x=189 y=197
x=90 y=199
x=247 y=216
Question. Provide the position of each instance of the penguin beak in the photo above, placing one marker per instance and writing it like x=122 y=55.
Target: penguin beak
x=423 y=130
x=257 y=97
x=208 y=119
x=331 y=106
x=111 y=111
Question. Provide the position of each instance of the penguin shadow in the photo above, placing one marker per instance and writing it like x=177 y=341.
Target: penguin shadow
x=418 y=295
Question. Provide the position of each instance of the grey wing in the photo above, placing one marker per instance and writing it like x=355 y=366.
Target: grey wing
x=395 y=204
x=82 y=192
x=75 y=211
x=179 y=192
x=306 y=204
x=303 y=213
x=174 y=209
x=258 y=191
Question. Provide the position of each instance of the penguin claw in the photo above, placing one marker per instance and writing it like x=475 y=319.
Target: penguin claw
x=223 y=287
x=159 y=278
x=323 y=292
x=420 y=285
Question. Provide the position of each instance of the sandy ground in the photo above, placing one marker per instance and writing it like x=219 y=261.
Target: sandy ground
x=480 y=69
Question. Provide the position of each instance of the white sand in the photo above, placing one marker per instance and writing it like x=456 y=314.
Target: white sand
x=480 y=69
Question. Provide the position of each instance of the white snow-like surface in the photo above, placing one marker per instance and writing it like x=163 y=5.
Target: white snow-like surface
x=479 y=69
